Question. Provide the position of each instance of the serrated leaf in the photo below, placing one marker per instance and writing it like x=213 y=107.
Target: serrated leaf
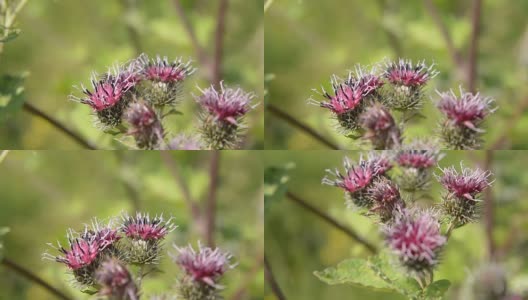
x=437 y=289
x=275 y=183
x=377 y=272
x=11 y=94
x=353 y=271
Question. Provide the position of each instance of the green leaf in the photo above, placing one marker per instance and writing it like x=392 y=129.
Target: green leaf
x=90 y=291
x=275 y=183
x=8 y=34
x=11 y=94
x=172 y=112
x=437 y=289
x=377 y=272
x=356 y=134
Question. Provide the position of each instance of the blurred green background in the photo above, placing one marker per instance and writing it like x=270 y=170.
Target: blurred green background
x=298 y=243
x=46 y=192
x=307 y=41
x=63 y=41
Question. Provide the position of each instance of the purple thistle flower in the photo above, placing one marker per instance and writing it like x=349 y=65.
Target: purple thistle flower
x=81 y=253
x=381 y=162
x=386 y=199
x=161 y=70
x=116 y=281
x=142 y=227
x=468 y=184
x=205 y=265
x=381 y=129
x=145 y=125
x=226 y=105
x=467 y=110
x=416 y=239
x=405 y=73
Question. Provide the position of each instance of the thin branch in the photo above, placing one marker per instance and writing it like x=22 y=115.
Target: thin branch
x=348 y=231
x=181 y=183
x=210 y=206
x=489 y=209
x=473 y=48
x=275 y=288
x=33 y=277
x=219 y=42
x=453 y=52
x=30 y=108
x=296 y=123
x=200 y=52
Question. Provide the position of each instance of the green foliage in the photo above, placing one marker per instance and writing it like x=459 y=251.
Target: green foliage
x=381 y=273
x=275 y=183
x=8 y=34
x=11 y=94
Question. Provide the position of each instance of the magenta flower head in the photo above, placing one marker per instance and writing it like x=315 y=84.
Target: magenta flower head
x=163 y=79
x=349 y=96
x=223 y=112
x=145 y=126
x=380 y=127
x=460 y=201
x=110 y=94
x=415 y=237
x=464 y=114
x=356 y=179
x=407 y=80
x=116 y=281
x=145 y=237
x=386 y=198
x=416 y=161
x=205 y=265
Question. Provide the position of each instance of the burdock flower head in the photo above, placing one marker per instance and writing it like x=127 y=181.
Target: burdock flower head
x=460 y=201
x=349 y=96
x=164 y=79
x=408 y=80
x=110 y=94
x=84 y=252
x=415 y=237
x=203 y=269
x=116 y=281
x=145 y=236
x=145 y=126
x=463 y=116
x=386 y=198
x=223 y=112
x=356 y=179
x=381 y=129
x=416 y=160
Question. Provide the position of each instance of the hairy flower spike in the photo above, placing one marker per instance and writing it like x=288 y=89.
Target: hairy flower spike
x=223 y=112
x=408 y=80
x=416 y=160
x=145 y=237
x=161 y=70
x=386 y=199
x=463 y=116
x=415 y=238
x=463 y=189
x=381 y=129
x=357 y=178
x=203 y=269
x=116 y=281
x=145 y=126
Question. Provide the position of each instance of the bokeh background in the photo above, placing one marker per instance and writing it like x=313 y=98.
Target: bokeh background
x=298 y=243
x=46 y=192
x=63 y=41
x=307 y=41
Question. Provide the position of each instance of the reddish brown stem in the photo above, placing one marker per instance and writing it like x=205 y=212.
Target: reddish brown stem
x=219 y=42
x=473 y=48
x=348 y=231
x=30 y=108
x=200 y=52
x=297 y=124
x=453 y=52
x=34 y=278
x=210 y=206
x=270 y=278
